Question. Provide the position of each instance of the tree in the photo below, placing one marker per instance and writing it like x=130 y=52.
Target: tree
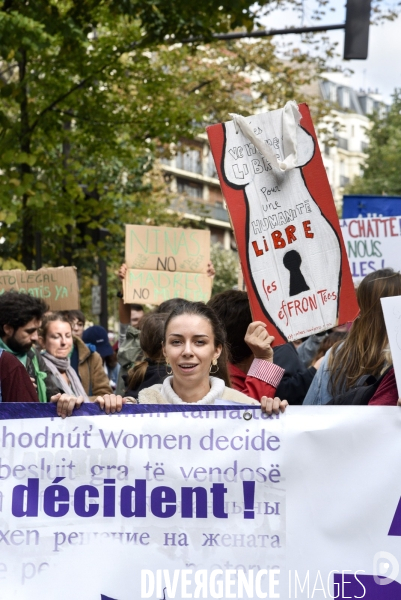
x=91 y=91
x=226 y=265
x=82 y=102
x=381 y=171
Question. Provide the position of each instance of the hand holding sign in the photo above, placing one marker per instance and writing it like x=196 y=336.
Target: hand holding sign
x=259 y=341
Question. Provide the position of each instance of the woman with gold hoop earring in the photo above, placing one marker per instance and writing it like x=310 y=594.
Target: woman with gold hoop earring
x=195 y=350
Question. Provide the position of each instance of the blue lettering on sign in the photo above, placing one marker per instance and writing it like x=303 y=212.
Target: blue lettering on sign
x=59 y=500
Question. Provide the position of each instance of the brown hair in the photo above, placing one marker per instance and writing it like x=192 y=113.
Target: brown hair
x=50 y=318
x=220 y=338
x=150 y=339
x=363 y=351
x=332 y=338
x=232 y=308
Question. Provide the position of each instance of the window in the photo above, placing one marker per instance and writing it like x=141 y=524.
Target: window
x=369 y=106
x=191 y=160
x=211 y=167
x=189 y=188
x=345 y=98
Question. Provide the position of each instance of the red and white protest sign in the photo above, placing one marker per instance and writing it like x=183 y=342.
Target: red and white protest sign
x=288 y=234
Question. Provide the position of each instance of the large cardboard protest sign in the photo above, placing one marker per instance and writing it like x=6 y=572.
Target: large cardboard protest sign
x=166 y=262
x=200 y=503
x=285 y=223
x=57 y=286
x=372 y=243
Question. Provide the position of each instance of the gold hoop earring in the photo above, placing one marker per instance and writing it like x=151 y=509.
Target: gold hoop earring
x=214 y=364
x=167 y=366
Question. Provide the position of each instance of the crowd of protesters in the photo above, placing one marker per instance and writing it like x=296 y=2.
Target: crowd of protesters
x=191 y=352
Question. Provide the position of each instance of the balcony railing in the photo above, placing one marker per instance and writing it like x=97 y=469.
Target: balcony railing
x=202 y=209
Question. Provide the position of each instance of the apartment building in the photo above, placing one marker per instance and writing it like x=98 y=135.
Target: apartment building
x=343 y=160
x=192 y=175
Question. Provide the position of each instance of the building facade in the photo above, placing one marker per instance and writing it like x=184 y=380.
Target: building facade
x=191 y=172
x=343 y=160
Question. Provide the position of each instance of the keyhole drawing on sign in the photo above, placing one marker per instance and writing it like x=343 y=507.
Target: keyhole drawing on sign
x=292 y=261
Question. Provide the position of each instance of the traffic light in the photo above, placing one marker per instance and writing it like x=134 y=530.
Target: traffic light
x=357 y=29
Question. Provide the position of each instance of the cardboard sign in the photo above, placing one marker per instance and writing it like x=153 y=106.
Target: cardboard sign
x=372 y=243
x=286 y=226
x=165 y=263
x=58 y=287
x=392 y=316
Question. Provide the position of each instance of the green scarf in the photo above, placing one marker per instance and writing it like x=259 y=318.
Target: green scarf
x=21 y=356
x=40 y=379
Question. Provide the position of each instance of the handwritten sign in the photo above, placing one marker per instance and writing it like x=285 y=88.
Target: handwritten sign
x=286 y=226
x=372 y=243
x=166 y=262
x=58 y=287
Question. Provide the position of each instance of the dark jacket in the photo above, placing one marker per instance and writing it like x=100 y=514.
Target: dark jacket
x=296 y=379
x=15 y=383
x=155 y=373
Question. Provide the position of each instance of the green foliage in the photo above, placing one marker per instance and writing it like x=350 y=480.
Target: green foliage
x=381 y=171
x=226 y=266
x=84 y=98
x=92 y=91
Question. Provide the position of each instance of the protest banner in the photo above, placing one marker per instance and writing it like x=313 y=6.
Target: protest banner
x=200 y=502
x=58 y=287
x=285 y=222
x=166 y=262
x=372 y=243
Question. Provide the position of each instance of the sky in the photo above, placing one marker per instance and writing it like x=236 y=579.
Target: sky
x=381 y=70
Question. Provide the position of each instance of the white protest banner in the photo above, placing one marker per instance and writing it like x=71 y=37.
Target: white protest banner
x=201 y=504
x=392 y=316
x=166 y=262
x=58 y=287
x=285 y=222
x=372 y=243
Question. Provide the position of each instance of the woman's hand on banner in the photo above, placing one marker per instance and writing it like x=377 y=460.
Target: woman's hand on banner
x=110 y=403
x=273 y=405
x=259 y=341
x=66 y=404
